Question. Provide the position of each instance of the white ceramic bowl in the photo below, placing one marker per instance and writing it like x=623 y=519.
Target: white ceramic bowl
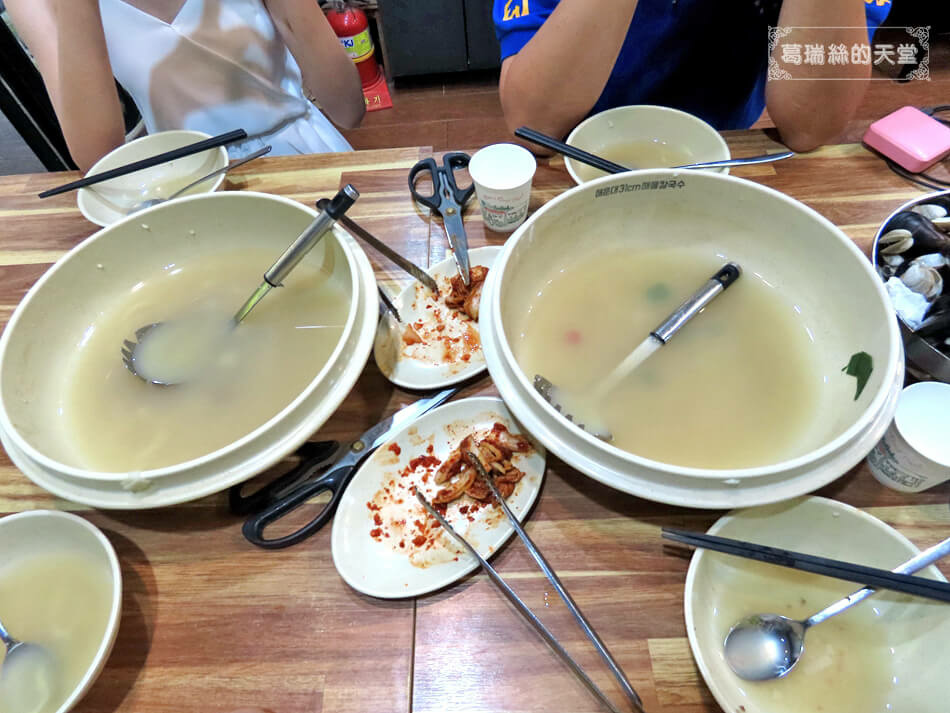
x=105 y=203
x=644 y=122
x=27 y=534
x=54 y=314
x=914 y=631
x=840 y=299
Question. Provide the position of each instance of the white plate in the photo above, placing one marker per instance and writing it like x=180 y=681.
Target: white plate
x=376 y=566
x=423 y=366
x=175 y=489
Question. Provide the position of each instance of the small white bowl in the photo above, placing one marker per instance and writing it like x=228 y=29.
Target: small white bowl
x=692 y=136
x=27 y=534
x=904 y=636
x=105 y=203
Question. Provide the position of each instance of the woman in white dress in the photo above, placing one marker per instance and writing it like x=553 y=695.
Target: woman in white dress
x=208 y=65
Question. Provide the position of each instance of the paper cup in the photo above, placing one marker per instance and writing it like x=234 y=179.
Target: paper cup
x=915 y=452
x=502 y=175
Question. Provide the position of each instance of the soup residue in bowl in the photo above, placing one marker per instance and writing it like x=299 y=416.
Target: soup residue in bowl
x=634 y=154
x=247 y=375
x=60 y=601
x=737 y=386
x=847 y=665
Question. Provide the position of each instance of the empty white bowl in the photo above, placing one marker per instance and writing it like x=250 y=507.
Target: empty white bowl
x=900 y=639
x=27 y=535
x=105 y=203
x=40 y=338
x=669 y=132
x=774 y=238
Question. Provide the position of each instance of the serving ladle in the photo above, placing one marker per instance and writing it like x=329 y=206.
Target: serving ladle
x=26 y=675
x=766 y=646
x=131 y=349
x=142 y=205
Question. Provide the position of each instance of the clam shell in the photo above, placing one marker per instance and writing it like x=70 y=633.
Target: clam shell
x=930 y=210
x=896 y=241
x=934 y=260
x=942 y=223
x=892 y=260
x=923 y=279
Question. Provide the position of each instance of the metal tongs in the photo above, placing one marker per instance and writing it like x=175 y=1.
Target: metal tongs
x=556 y=583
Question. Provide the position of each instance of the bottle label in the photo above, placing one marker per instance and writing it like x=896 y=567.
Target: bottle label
x=359 y=46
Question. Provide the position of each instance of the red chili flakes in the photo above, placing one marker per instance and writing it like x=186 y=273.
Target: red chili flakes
x=430 y=448
x=466 y=357
x=425 y=478
x=463 y=509
x=372 y=506
x=394 y=447
x=377 y=520
x=426 y=461
x=419 y=540
x=375 y=532
x=402 y=544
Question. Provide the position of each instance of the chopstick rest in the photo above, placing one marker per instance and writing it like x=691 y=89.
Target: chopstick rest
x=164 y=157
x=868 y=576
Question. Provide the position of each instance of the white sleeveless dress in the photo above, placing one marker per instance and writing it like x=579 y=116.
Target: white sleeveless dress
x=219 y=65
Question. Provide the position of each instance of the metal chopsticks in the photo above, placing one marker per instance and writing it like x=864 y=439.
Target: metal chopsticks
x=558 y=586
x=868 y=576
x=407 y=265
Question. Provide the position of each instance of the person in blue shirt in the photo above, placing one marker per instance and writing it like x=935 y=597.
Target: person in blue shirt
x=565 y=59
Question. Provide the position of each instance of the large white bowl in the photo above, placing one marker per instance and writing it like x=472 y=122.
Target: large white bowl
x=55 y=312
x=27 y=534
x=107 y=202
x=796 y=250
x=916 y=630
x=646 y=122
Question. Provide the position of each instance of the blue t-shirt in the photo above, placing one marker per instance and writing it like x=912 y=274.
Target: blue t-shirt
x=705 y=57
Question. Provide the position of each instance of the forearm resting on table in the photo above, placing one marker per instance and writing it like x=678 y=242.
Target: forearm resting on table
x=553 y=82
x=66 y=38
x=807 y=113
x=328 y=73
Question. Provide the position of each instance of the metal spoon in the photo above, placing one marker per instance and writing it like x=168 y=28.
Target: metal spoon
x=311 y=235
x=766 y=646
x=155 y=201
x=26 y=675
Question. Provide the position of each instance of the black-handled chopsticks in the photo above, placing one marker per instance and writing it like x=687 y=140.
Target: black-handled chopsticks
x=868 y=576
x=197 y=147
x=560 y=147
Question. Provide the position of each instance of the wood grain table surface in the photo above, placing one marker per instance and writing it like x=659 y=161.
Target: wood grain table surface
x=211 y=623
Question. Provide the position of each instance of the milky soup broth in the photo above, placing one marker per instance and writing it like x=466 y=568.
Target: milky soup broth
x=638 y=153
x=736 y=387
x=237 y=379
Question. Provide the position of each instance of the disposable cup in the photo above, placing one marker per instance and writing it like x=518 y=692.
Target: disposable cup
x=502 y=174
x=914 y=453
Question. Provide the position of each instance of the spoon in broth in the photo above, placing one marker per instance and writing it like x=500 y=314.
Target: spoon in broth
x=27 y=675
x=762 y=647
x=168 y=353
x=582 y=410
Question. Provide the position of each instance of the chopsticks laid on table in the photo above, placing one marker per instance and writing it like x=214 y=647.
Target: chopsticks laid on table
x=197 y=147
x=556 y=583
x=868 y=576
x=407 y=265
x=536 y=137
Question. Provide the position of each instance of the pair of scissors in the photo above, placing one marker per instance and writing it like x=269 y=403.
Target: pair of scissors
x=326 y=468
x=448 y=200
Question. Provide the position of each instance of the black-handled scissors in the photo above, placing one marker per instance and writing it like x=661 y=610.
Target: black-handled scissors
x=448 y=200
x=296 y=487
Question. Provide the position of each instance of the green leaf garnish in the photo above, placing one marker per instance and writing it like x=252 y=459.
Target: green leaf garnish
x=860 y=367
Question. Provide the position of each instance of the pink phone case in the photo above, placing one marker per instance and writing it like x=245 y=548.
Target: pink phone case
x=910 y=137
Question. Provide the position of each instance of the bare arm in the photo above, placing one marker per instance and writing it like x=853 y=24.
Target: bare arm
x=328 y=73
x=557 y=77
x=809 y=114
x=67 y=40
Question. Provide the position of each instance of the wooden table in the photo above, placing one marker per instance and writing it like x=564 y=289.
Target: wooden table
x=211 y=623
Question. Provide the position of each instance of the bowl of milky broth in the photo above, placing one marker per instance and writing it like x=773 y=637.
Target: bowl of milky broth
x=751 y=401
x=60 y=589
x=645 y=136
x=886 y=655
x=70 y=408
